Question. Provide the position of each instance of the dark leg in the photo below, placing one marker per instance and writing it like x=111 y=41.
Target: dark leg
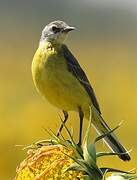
x=81 y=116
x=64 y=121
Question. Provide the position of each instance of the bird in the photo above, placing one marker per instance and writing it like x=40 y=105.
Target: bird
x=59 y=78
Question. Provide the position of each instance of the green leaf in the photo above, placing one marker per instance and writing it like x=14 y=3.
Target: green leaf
x=89 y=151
x=122 y=176
x=91 y=170
x=87 y=177
x=107 y=170
x=41 y=143
x=75 y=147
x=74 y=167
x=95 y=173
x=100 y=154
x=105 y=134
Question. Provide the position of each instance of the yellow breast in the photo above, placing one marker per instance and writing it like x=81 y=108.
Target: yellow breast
x=53 y=80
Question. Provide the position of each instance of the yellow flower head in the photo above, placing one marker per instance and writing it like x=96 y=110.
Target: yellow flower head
x=48 y=162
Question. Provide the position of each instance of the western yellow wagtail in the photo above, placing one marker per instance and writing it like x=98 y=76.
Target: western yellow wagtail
x=60 y=79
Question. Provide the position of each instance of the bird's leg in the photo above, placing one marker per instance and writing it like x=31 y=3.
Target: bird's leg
x=81 y=116
x=64 y=121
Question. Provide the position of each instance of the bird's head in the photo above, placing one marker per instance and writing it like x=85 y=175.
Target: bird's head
x=55 y=32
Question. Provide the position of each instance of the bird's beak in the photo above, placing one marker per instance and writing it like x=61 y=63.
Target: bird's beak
x=68 y=28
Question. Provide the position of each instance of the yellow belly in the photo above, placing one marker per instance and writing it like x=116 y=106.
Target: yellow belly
x=58 y=85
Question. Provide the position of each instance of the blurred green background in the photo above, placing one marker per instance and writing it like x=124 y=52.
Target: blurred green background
x=105 y=44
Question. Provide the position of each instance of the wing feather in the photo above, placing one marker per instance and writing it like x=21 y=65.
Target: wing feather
x=76 y=70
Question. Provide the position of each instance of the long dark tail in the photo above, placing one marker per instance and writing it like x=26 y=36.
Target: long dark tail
x=111 y=140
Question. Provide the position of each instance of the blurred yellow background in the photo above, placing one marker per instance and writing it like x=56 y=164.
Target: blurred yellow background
x=105 y=44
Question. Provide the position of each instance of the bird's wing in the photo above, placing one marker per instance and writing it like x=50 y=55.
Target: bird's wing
x=76 y=70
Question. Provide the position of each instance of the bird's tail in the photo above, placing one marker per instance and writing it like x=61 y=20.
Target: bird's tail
x=111 y=140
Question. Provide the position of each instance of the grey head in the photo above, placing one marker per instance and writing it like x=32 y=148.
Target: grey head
x=55 y=32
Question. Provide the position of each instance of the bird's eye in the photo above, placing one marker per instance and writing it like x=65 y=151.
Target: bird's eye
x=55 y=29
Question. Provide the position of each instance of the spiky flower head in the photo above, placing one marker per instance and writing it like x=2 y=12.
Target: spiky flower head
x=47 y=162
x=63 y=159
